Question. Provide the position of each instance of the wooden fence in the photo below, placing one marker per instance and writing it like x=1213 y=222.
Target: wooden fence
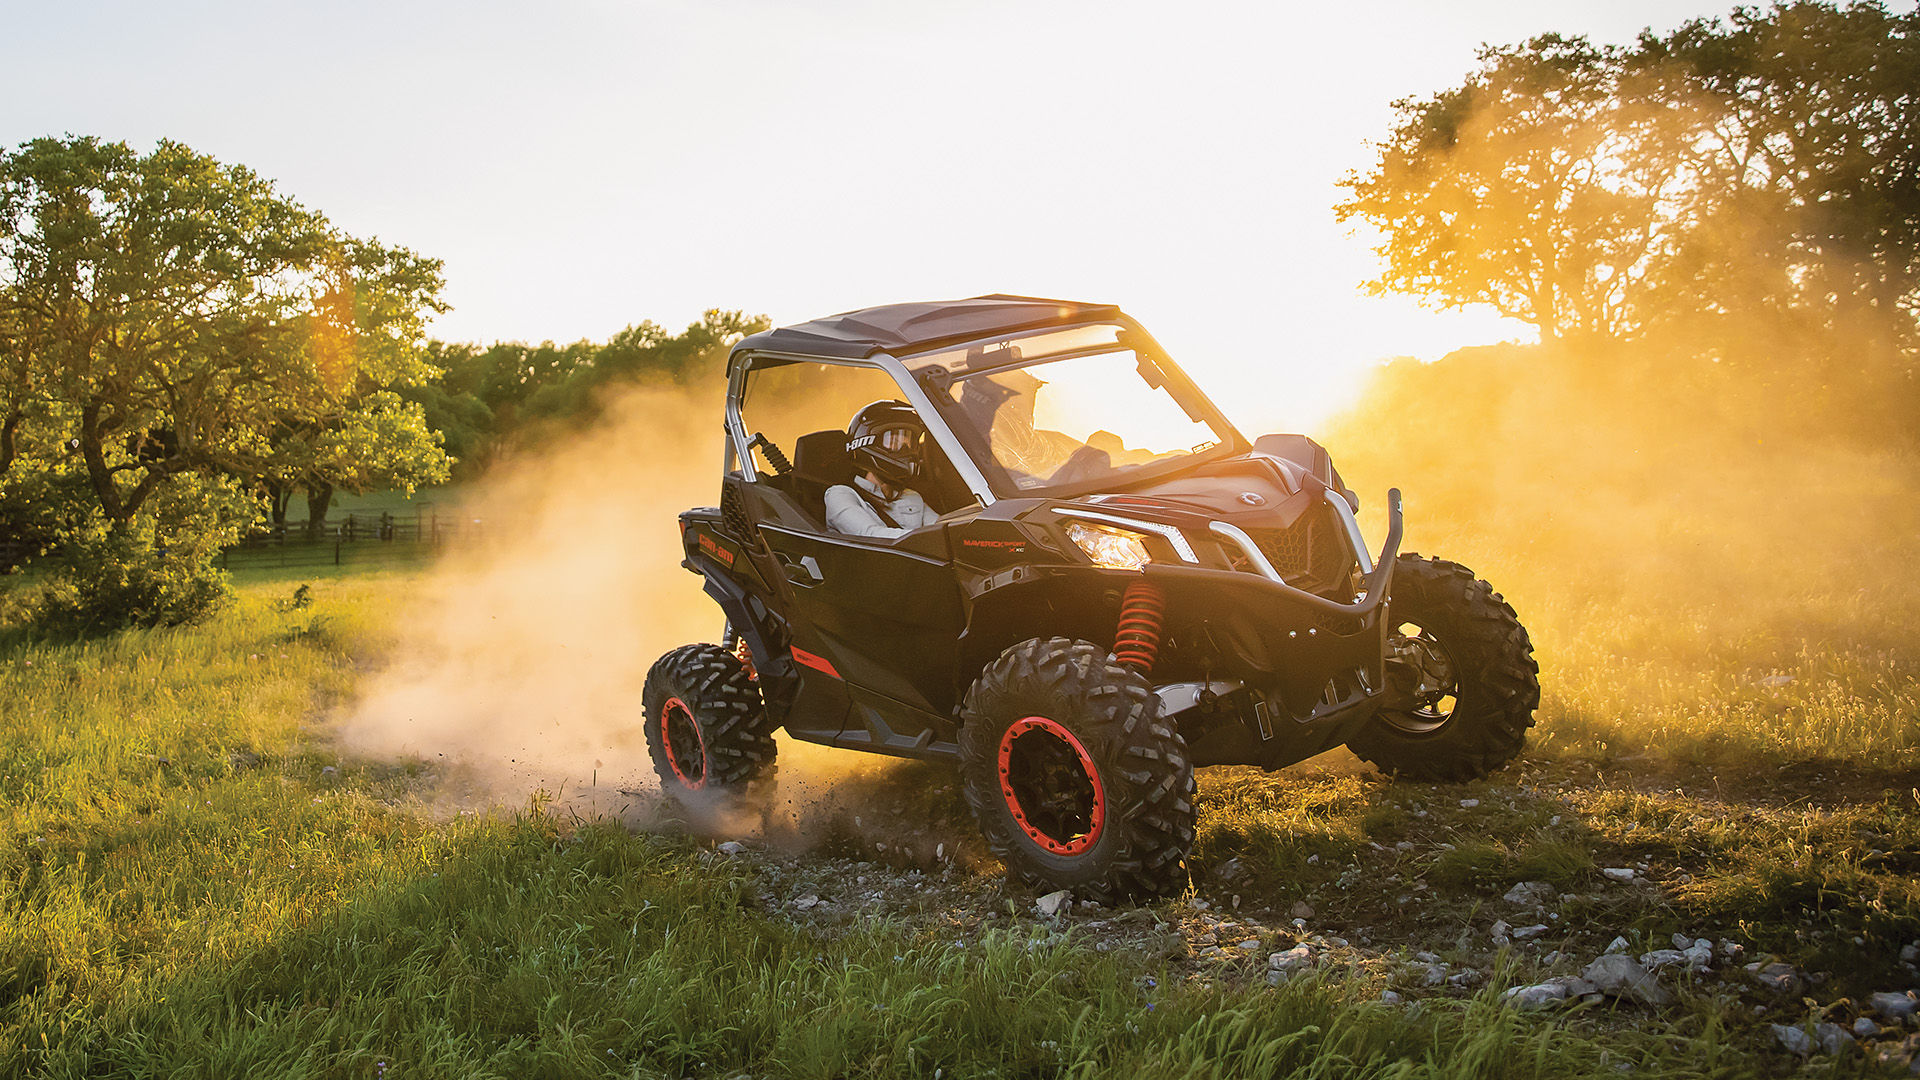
x=354 y=538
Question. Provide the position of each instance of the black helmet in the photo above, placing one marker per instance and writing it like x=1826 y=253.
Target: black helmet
x=885 y=439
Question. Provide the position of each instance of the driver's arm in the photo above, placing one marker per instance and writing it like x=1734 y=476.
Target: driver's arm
x=848 y=513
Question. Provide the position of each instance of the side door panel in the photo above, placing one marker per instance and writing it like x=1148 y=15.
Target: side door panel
x=885 y=619
x=815 y=703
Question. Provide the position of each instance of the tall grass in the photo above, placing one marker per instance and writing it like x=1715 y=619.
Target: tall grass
x=185 y=889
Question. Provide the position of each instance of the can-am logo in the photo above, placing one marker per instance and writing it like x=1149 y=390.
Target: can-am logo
x=713 y=548
x=864 y=440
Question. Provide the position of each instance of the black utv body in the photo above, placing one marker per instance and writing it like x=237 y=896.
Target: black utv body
x=1087 y=620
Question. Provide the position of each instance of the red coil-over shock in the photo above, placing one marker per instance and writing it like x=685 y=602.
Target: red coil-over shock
x=1136 y=642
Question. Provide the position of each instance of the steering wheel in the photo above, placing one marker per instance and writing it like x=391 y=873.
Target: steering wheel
x=1083 y=464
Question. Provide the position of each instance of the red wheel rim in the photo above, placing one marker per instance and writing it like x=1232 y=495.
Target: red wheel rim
x=1051 y=786
x=676 y=723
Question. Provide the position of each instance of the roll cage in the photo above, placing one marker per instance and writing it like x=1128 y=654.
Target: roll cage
x=922 y=382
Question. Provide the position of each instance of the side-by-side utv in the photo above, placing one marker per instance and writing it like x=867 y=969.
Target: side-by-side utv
x=1118 y=587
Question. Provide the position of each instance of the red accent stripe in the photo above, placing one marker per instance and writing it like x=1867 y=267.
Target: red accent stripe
x=817 y=663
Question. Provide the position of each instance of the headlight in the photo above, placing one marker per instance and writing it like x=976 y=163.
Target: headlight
x=1114 y=549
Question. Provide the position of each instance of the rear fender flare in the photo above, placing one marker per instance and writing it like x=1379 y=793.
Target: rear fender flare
x=733 y=603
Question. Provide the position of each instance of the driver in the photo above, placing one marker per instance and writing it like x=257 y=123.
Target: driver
x=884 y=439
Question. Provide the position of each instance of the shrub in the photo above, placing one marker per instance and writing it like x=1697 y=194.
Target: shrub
x=157 y=569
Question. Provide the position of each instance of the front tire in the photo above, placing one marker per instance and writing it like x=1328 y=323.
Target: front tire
x=1465 y=674
x=1077 y=781
x=706 y=726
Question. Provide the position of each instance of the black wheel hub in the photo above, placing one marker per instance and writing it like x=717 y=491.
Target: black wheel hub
x=686 y=750
x=1050 y=786
x=1425 y=681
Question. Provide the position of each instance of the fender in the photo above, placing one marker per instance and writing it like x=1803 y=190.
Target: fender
x=735 y=604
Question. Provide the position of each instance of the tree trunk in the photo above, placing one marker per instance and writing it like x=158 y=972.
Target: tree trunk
x=7 y=433
x=91 y=436
x=319 y=498
x=278 y=496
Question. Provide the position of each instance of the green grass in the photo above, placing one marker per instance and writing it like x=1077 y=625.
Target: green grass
x=185 y=891
x=395 y=502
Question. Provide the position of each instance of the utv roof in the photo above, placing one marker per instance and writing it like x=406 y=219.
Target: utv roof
x=901 y=328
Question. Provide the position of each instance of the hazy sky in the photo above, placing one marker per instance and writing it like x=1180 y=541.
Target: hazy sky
x=583 y=166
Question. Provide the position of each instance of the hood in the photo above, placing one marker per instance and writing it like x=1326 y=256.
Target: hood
x=1253 y=491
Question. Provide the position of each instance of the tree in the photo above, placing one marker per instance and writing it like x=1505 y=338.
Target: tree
x=1804 y=167
x=1741 y=192
x=645 y=353
x=366 y=331
x=490 y=401
x=1522 y=189
x=379 y=441
x=163 y=315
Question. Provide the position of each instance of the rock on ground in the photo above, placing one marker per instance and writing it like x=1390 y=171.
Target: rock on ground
x=1564 y=988
x=1619 y=976
x=1794 y=1039
x=1833 y=1038
x=1297 y=957
x=1532 y=893
x=1893 y=1006
x=1052 y=903
x=1779 y=978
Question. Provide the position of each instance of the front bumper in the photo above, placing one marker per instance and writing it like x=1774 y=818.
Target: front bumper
x=1308 y=669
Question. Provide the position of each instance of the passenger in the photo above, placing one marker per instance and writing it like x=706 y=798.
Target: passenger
x=885 y=442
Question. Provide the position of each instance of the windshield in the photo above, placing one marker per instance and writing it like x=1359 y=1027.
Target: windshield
x=1078 y=421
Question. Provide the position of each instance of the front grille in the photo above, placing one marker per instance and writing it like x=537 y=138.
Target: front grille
x=1313 y=555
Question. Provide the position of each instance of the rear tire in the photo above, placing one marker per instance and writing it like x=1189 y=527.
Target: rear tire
x=1482 y=683
x=1077 y=781
x=706 y=726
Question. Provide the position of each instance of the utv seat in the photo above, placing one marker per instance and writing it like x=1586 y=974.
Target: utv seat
x=820 y=461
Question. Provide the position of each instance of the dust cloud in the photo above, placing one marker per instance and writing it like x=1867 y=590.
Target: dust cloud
x=1691 y=516
x=520 y=665
x=523 y=660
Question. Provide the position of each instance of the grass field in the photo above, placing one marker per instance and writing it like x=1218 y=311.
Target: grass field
x=398 y=503
x=196 y=882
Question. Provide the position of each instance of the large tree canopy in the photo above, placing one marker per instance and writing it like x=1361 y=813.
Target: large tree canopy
x=1523 y=189
x=174 y=331
x=165 y=313
x=1743 y=190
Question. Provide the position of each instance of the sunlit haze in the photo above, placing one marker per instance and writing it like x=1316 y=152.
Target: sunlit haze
x=592 y=165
